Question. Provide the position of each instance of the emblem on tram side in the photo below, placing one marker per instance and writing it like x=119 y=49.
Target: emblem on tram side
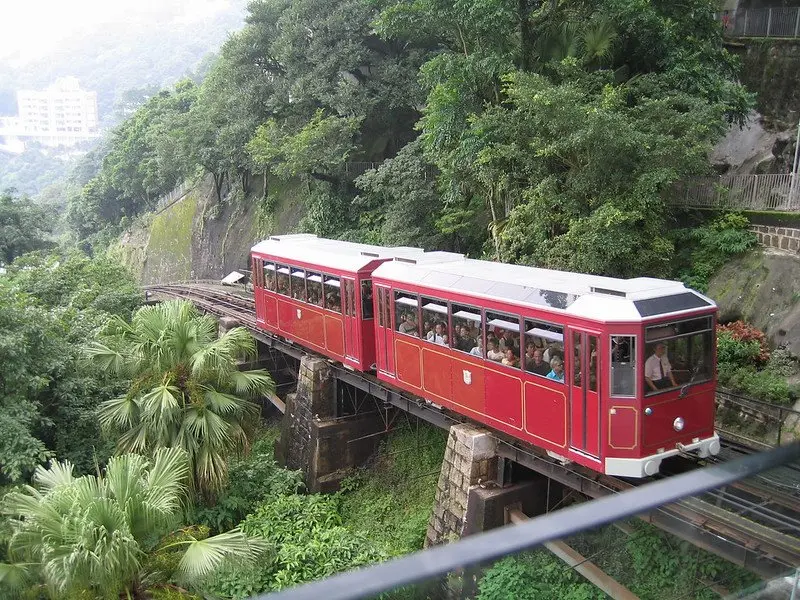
x=299 y=314
x=467 y=377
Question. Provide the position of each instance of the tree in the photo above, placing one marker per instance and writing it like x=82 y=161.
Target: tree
x=24 y=226
x=186 y=390
x=92 y=534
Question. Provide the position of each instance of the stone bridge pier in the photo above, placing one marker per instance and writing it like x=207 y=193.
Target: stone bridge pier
x=315 y=438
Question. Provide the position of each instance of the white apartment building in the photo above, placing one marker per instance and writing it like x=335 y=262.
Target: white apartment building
x=61 y=115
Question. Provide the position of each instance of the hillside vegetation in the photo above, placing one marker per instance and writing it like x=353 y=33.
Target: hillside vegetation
x=538 y=132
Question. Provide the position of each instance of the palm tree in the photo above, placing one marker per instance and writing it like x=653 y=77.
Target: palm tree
x=89 y=535
x=186 y=389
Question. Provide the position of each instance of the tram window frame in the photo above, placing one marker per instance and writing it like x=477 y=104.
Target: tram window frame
x=279 y=278
x=267 y=281
x=621 y=373
x=544 y=331
x=381 y=300
x=435 y=316
x=335 y=283
x=508 y=321
x=317 y=287
x=462 y=315
x=367 y=306
x=678 y=336
x=294 y=283
x=406 y=308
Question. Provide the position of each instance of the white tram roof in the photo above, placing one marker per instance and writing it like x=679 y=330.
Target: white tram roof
x=327 y=253
x=605 y=299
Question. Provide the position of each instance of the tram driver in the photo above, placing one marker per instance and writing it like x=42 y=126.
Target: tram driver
x=658 y=370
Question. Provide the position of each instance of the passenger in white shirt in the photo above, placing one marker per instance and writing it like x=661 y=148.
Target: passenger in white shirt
x=437 y=336
x=658 y=370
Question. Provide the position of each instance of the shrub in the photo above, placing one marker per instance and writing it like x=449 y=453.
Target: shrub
x=741 y=344
x=701 y=251
x=252 y=481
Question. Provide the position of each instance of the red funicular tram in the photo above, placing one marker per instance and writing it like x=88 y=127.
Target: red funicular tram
x=616 y=375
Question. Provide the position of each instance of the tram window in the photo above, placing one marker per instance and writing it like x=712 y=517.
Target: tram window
x=623 y=365
x=434 y=320
x=298 y=284
x=314 y=288
x=282 y=279
x=333 y=295
x=502 y=338
x=678 y=353
x=387 y=310
x=543 y=342
x=466 y=322
x=406 y=313
x=269 y=276
x=367 y=310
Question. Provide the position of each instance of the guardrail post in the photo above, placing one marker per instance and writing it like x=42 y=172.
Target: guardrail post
x=797 y=23
x=780 y=426
x=744 y=31
x=769 y=21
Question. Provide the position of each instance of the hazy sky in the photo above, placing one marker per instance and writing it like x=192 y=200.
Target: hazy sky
x=31 y=28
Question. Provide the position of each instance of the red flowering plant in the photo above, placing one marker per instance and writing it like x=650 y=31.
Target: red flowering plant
x=741 y=344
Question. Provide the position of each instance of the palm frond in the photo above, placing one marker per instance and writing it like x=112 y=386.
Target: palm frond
x=203 y=557
x=57 y=474
x=119 y=413
x=134 y=439
x=254 y=384
x=166 y=478
x=14 y=577
x=107 y=359
x=598 y=41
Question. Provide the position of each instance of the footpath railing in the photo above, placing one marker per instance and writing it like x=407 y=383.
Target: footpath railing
x=778 y=22
x=743 y=192
x=755 y=420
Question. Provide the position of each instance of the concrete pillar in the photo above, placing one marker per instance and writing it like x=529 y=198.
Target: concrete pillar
x=313 y=440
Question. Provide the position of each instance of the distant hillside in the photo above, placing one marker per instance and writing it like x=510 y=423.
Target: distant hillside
x=125 y=56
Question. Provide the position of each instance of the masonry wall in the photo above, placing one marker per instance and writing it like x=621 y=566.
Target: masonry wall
x=780 y=238
x=470 y=458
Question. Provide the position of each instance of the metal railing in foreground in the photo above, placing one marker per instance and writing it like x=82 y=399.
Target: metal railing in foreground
x=482 y=548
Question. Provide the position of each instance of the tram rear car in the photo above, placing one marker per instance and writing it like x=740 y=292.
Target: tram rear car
x=317 y=292
x=600 y=411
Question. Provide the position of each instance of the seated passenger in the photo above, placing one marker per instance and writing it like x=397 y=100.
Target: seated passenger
x=553 y=350
x=509 y=340
x=437 y=336
x=465 y=342
x=408 y=325
x=510 y=359
x=478 y=349
x=534 y=361
x=492 y=352
x=557 y=372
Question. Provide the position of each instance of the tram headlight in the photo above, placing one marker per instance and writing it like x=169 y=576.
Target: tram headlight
x=678 y=424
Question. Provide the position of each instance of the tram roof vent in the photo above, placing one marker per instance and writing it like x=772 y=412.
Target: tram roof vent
x=370 y=254
x=608 y=292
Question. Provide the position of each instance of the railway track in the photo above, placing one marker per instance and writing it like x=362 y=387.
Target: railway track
x=759 y=516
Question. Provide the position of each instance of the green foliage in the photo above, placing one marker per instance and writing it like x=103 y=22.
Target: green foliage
x=92 y=534
x=186 y=389
x=703 y=250
x=538 y=575
x=391 y=502
x=310 y=543
x=763 y=385
x=254 y=479
x=24 y=226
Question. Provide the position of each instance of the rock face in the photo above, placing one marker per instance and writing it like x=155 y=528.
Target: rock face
x=200 y=237
x=762 y=287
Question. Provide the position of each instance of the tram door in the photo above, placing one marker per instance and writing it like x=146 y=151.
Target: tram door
x=584 y=381
x=350 y=318
x=383 y=340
